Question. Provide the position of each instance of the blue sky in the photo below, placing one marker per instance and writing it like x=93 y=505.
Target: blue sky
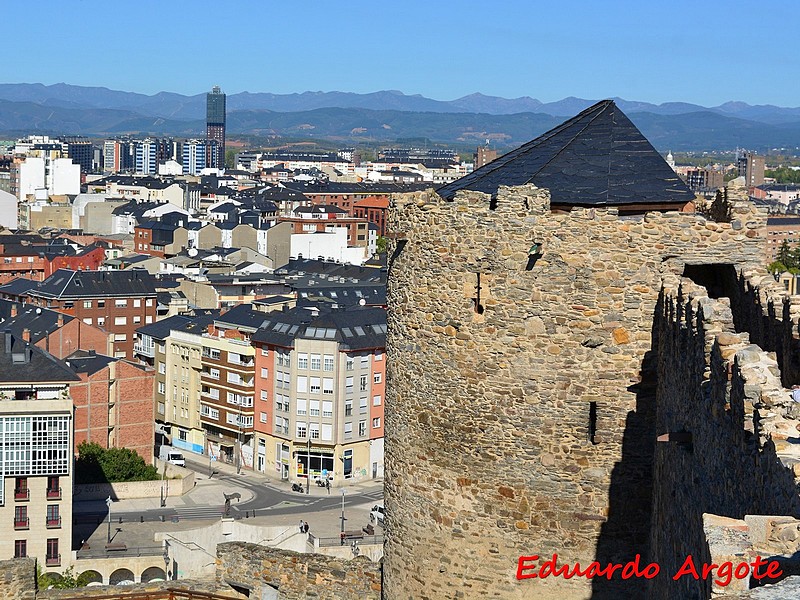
x=690 y=51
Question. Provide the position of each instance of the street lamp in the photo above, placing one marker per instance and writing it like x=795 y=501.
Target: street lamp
x=343 y=517
x=308 y=466
x=108 y=504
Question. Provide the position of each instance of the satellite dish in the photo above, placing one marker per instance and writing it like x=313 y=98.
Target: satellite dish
x=192 y=252
x=362 y=302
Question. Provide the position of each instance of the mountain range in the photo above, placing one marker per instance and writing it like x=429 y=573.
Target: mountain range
x=383 y=116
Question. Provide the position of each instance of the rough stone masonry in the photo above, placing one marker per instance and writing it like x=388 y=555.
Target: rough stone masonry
x=521 y=400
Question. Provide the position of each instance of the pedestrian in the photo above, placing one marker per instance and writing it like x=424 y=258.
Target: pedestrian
x=328 y=486
x=302 y=524
x=305 y=527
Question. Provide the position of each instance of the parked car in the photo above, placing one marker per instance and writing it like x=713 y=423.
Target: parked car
x=377 y=514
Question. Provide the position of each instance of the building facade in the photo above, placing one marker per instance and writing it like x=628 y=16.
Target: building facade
x=215 y=127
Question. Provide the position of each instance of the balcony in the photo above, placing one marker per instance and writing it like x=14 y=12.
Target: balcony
x=54 y=494
x=53 y=522
x=21 y=523
x=148 y=350
x=22 y=495
x=53 y=561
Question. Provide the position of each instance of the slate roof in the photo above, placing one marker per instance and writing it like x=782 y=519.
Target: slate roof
x=597 y=158
x=38 y=321
x=242 y=316
x=89 y=362
x=353 y=329
x=18 y=286
x=161 y=329
x=65 y=284
x=21 y=362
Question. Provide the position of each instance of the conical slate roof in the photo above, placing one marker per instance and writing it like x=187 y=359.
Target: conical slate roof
x=596 y=158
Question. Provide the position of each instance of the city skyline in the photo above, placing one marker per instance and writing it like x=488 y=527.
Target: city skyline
x=441 y=51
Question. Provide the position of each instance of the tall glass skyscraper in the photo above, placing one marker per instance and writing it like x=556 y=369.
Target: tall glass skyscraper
x=215 y=127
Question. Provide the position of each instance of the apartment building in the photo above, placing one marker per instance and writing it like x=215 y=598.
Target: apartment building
x=36 y=442
x=319 y=393
x=117 y=301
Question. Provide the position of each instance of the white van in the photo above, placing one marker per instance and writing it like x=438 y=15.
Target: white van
x=170 y=455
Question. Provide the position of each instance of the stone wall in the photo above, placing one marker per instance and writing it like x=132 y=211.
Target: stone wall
x=18 y=579
x=520 y=419
x=181 y=483
x=727 y=394
x=294 y=576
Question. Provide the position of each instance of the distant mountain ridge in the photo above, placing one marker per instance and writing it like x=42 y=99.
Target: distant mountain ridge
x=383 y=116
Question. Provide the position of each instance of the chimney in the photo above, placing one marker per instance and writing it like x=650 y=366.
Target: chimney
x=26 y=334
x=13 y=310
x=60 y=321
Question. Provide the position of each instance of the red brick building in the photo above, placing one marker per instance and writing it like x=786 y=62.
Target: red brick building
x=113 y=403
x=373 y=209
x=117 y=301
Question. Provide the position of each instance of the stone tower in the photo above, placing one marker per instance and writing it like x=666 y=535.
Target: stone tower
x=520 y=409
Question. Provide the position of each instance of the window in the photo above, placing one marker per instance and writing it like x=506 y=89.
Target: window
x=362 y=405
x=328 y=362
x=376 y=422
x=53 y=489
x=101 y=304
x=53 y=517
x=264 y=395
x=264 y=373
x=21 y=491
x=87 y=304
x=20 y=548
x=364 y=361
x=349 y=363
x=378 y=355
x=21 y=517
x=316 y=362
x=162 y=368
x=327 y=385
x=315 y=385
x=302 y=361
x=148 y=302
x=376 y=401
x=137 y=319
x=302 y=384
x=137 y=303
x=348 y=408
x=301 y=406
x=53 y=557
x=234 y=378
x=363 y=385
x=314 y=430
x=87 y=321
x=120 y=303
x=348 y=385
x=348 y=431
x=212 y=353
x=376 y=378
x=101 y=321
x=262 y=417
x=120 y=320
x=148 y=319
x=301 y=429
x=327 y=432
x=161 y=387
x=327 y=408
x=120 y=337
x=314 y=408
x=160 y=408
x=362 y=428
x=213 y=373
x=207 y=411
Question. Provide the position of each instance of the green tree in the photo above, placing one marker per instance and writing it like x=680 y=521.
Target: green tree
x=381 y=244
x=67 y=580
x=784 y=256
x=230 y=158
x=96 y=464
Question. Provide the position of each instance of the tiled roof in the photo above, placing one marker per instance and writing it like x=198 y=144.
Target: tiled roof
x=595 y=158
x=38 y=321
x=21 y=362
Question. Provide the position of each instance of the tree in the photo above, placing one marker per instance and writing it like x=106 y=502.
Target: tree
x=96 y=464
x=230 y=158
x=67 y=580
x=785 y=254
x=720 y=209
x=381 y=245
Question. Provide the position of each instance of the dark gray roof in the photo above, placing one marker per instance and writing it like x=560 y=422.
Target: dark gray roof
x=89 y=362
x=38 y=321
x=65 y=284
x=357 y=329
x=595 y=158
x=18 y=286
x=21 y=362
x=160 y=329
x=242 y=316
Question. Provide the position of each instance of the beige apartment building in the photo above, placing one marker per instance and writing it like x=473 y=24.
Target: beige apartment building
x=36 y=442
